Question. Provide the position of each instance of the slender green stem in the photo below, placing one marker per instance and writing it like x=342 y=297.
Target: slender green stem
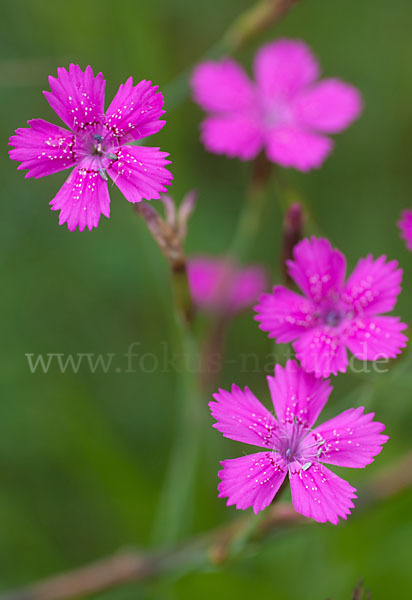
x=176 y=498
x=253 y=209
x=176 y=501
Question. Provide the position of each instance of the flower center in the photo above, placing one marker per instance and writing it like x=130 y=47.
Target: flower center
x=290 y=441
x=333 y=317
x=95 y=150
x=299 y=446
x=275 y=112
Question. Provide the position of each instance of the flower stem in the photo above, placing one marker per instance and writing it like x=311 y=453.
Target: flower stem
x=176 y=498
x=175 y=506
x=253 y=208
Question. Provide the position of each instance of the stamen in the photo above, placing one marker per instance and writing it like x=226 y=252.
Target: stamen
x=103 y=174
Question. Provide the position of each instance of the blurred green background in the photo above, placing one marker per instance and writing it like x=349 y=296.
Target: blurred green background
x=83 y=455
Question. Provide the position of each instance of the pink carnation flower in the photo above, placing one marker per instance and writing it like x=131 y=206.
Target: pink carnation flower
x=95 y=145
x=286 y=111
x=292 y=447
x=333 y=315
x=219 y=285
x=405 y=225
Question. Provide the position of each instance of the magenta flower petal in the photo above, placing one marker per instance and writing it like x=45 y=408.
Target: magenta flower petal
x=284 y=68
x=284 y=314
x=235 y=135
x=222 y=86
x=373 y=286
x=219 y=285
x=321 y=351
x=241 y=417
x=43 y=148
x=248 y=284
x=321 y=495
x=297 y=395
x=139 y=172
x=374 y=338
x=207 y=280
x=250 y=481
x=82 y=199
x=317 y=268
x=77 y=96
x=297 y=148
x=352 y=439
x=329 y=106
x=405 y=226
x=134 y=112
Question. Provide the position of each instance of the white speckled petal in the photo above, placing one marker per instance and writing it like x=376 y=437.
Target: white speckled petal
x=139 y=172
x=319 y=494
x=77 y=96
x=241 y=417
x=134 y=112
x=351 y=439
x=251 y=481
x=297 y=394
x=82 y=199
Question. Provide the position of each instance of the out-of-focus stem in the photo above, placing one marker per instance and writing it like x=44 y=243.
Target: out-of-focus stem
x=176 y=501
x=212 y=350
x=170 y=242
x=293 y=222
x=247 y=229
x=254 y=21
x=252 y=211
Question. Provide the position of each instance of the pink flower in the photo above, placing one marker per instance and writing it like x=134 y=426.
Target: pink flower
x=405 y=225
x=333 y=315
x=95 y=145
x=219 y=285
x=287 y=111
x=292 y=447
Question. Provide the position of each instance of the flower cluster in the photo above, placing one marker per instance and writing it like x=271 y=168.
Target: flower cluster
x=331 y=316
x=288 y=112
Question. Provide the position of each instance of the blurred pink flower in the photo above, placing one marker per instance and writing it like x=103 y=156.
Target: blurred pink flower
x=95 y=145
x=286 y=111
x=219 y=285
x=405 y=225
x=292 y=447
x=334 y=315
